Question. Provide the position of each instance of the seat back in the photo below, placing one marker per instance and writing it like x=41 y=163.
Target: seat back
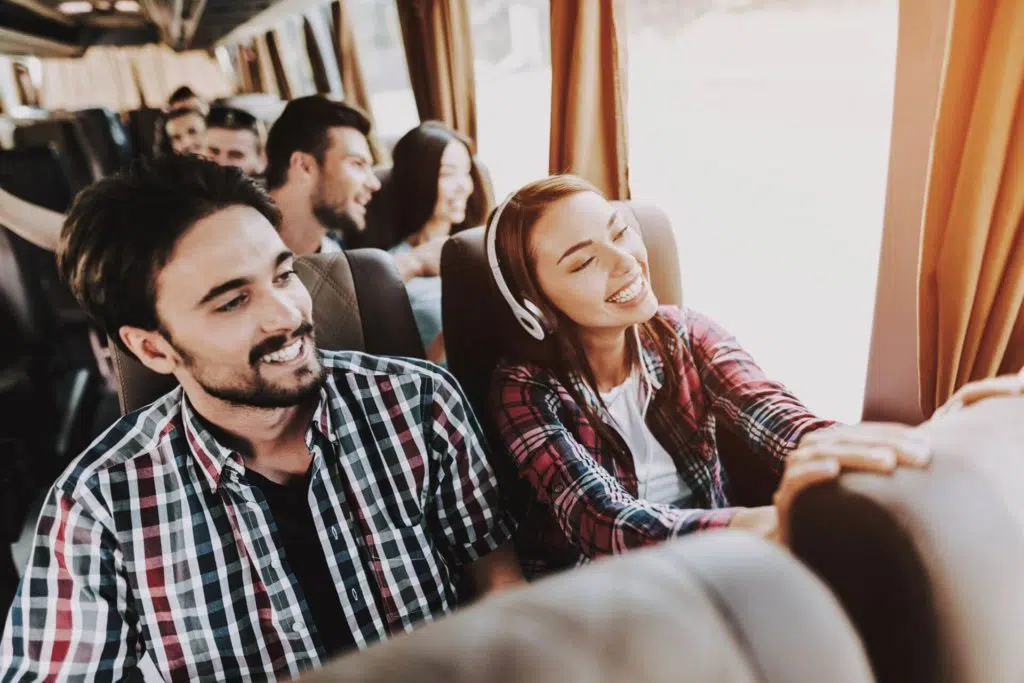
x=381 y=226
x=143 y=126
x=722 y=606
x=928 y=563
x=38 y=174
x=108 y=138
x=359 y=304
x=68 y=135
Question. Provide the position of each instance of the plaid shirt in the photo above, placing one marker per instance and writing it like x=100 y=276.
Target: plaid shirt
x=153 y=541
x=582 y=493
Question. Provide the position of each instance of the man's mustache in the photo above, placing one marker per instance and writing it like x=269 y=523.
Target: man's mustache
x=272 y=344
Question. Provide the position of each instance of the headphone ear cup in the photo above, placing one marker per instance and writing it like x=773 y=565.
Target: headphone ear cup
x=545 y=321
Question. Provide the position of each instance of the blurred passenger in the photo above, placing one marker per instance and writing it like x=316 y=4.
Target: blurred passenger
x=185 y=98
x=184 y=132
x=320 y=174
x=235 y=138
x=433 y=174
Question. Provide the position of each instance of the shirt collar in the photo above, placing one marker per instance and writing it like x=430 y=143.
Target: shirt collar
x=213 y=457
x=652 y=362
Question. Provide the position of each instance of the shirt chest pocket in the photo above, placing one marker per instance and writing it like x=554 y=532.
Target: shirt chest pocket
x=410 y=575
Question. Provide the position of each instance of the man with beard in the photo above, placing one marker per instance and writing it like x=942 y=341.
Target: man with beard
x=320 y=174
x=284 y=503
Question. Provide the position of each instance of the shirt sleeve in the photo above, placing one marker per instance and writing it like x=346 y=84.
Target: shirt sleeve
x=71 y=617
x=595 y=512
x=761 y=411
x=469 y=510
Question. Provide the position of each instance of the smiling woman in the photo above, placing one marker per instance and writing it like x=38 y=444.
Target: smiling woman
x=611 y=415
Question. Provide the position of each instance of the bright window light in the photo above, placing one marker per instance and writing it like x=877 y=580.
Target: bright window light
x=126 y=6
x=75 y=7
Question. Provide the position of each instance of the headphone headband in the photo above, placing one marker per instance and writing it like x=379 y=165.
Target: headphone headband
x=527 y=314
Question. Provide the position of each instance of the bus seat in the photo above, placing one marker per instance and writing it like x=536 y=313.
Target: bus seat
x=108 y=138
x=38 y=174
x=928 y=563
x=723 y=606
x=361 y=284
x=68 y=135
x=380 y=231
x=142 y=129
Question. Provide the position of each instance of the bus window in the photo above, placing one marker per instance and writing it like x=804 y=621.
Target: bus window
x=382 y=58
x=512 y=54
x=763 y=130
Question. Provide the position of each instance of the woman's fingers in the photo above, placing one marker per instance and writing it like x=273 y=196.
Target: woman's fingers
x=906 y=445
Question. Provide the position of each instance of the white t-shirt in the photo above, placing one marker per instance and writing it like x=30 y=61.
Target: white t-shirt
x=328 y=246
x=657 y=476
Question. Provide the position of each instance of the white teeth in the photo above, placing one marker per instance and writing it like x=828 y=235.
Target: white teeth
x=290 y=352
x=629 y=293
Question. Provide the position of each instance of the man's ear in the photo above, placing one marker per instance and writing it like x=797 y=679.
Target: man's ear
x=151 y=348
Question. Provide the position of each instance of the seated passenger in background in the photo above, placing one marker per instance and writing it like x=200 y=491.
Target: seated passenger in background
x=235 y=138
x=611 y=416
x=320 y=174
x=284 y=503
x=184 y=132
x=433 y=176
x=184 y=97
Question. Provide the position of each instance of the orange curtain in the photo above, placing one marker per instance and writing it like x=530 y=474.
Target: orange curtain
x=439 y=52
x=280 y=75
x=316 y=59
x=972 y=253
x=588 y=93
x=353 y=84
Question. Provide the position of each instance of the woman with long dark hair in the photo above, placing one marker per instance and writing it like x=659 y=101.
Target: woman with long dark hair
x=437 y=190
x=610 y=413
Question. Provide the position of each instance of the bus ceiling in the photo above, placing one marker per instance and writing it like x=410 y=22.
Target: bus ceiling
x=65 y=28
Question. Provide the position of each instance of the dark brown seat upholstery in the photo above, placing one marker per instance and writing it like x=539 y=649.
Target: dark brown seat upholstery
x=479 y=328
x=930 y=564
x=723 y=606
x=359 y=304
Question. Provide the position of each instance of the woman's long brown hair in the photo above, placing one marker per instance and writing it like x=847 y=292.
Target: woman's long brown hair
x=562 y=349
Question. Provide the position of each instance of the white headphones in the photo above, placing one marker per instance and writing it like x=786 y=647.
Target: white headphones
x=526 y=313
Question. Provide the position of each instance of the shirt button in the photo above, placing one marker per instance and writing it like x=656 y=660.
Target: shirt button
x=355 y=595
x=298 y=627
x=559 y=488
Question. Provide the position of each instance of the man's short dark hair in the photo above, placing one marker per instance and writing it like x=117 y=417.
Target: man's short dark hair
x=121 y=231
x=181 y=94
x=303 y=127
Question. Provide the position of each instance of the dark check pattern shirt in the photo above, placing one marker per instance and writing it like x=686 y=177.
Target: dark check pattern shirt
x=580 y=494
x=153 y=542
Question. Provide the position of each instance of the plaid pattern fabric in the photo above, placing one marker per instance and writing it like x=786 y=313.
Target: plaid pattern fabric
x=153 y=541
x=580 y=494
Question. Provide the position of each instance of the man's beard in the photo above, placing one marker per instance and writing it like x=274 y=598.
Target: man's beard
x=333 y=218
x=257 y=392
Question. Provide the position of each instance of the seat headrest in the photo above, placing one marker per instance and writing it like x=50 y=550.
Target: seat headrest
x=720 y=606
x=359 y=304
x=928 y=562
x=479 y=327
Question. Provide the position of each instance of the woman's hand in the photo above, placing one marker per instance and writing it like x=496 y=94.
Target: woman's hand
x=973 y=392
x=823 y=455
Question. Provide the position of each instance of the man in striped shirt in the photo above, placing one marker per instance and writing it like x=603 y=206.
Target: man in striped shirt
x=284 y=503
